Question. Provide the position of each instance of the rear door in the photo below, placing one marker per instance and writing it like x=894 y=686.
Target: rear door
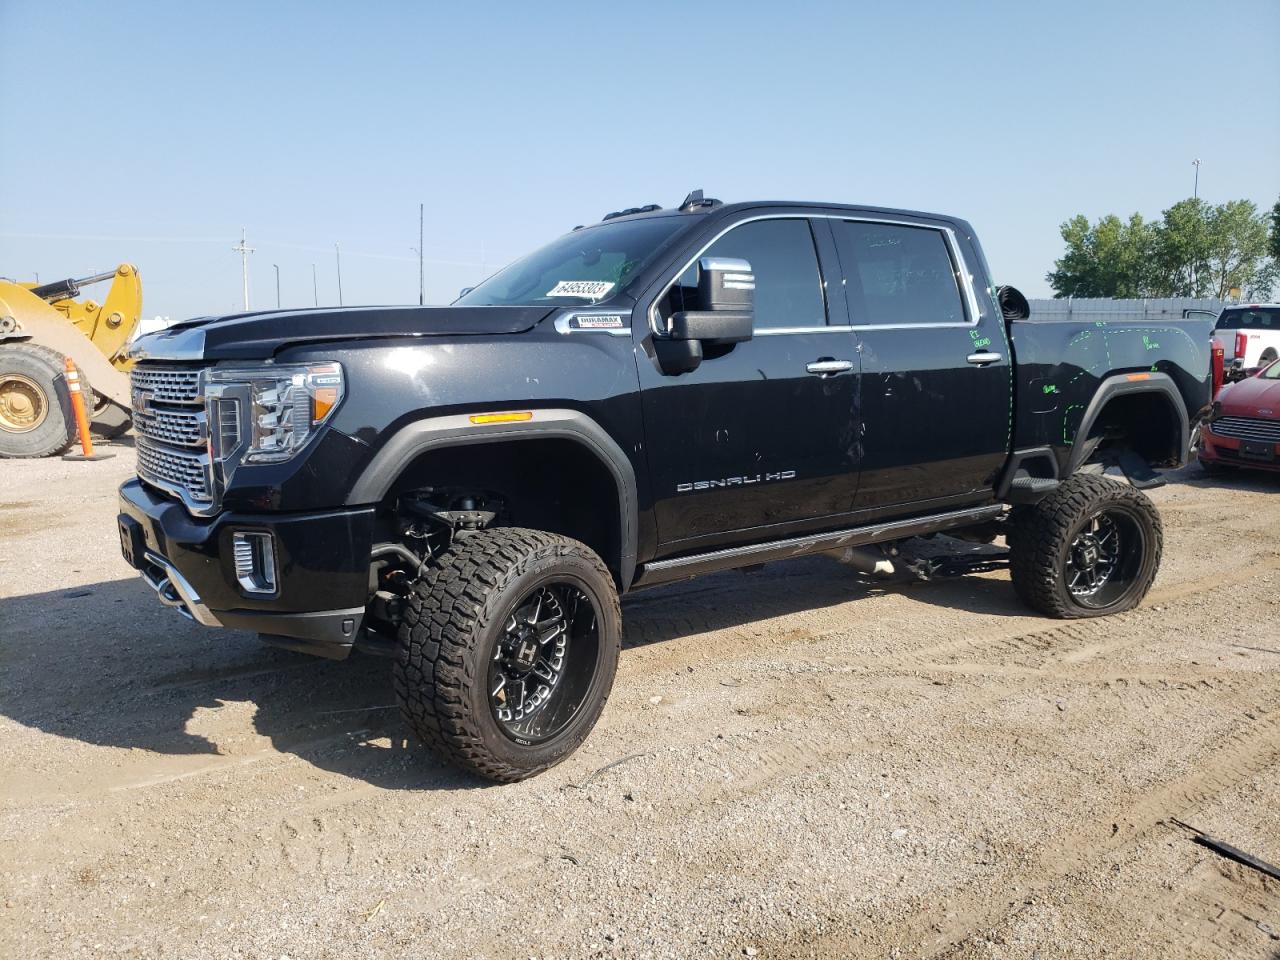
x=758 y=440
x=935 y=383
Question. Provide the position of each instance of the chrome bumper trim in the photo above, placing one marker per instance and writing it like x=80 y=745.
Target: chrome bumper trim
x=173 y=590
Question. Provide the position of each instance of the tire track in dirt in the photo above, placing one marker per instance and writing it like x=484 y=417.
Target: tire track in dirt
x=1246 y=752
x=752 y=637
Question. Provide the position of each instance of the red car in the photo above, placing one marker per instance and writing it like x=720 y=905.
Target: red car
x=1244 y=428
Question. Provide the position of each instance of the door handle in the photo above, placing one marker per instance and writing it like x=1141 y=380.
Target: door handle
x=827 y=368
x=984 y=358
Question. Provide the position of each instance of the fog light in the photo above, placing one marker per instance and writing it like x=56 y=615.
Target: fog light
x=255 y=558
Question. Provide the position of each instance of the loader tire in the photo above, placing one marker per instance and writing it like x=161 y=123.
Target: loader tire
x=36 y=418
x=507 y=651
x=1089 y=549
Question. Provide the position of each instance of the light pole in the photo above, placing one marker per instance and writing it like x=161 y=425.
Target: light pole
x=1195 y=194
x=422 y=287
x=277 y=267
x=315 y=289
x=337 y=254
x=244 y=250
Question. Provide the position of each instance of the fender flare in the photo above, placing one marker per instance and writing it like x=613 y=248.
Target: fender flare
x=1119 y=385
x=434 y=433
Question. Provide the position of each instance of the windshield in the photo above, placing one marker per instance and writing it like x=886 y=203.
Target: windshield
x=582 y=267
x=1250 y=318
x=1272 y=372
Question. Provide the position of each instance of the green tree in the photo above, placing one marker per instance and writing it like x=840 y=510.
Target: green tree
x=1273 y=241
x=1194 y=250
x=1111 y=258
x=1238 y=256
x=1182 y=251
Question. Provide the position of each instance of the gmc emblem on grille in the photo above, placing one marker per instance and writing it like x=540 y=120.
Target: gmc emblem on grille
x=1265 y=412
x=142 y=400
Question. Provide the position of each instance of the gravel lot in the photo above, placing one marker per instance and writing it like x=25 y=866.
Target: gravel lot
x=794 y=763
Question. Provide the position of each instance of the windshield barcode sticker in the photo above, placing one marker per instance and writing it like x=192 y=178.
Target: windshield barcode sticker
x=586 y=289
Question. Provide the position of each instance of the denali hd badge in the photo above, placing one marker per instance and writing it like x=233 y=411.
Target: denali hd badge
x=735 y=481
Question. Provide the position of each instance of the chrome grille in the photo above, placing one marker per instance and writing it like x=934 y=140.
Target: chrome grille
x=173 y=470
x=179 y=427
x=1247 y=428
x=173 y=435
x=166 y=384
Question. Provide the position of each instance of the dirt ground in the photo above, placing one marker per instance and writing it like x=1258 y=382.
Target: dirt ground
x=794 y=763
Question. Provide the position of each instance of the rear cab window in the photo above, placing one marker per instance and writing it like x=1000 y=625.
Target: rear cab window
x=1249 y=318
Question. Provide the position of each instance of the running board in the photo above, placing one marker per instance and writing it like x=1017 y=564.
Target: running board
x=680 y=568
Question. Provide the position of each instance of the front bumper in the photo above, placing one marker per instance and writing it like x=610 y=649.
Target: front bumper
x=1238 y=453
x=322 y=562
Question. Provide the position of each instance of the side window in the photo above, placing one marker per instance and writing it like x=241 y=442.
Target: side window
x=785 y=264
x=898 y=275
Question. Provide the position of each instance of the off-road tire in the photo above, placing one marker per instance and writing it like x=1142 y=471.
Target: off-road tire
x=452 y=621
x=1042 y=536
x=44 y=368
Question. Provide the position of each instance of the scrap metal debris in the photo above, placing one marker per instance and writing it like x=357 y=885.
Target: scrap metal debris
x=1225 y=849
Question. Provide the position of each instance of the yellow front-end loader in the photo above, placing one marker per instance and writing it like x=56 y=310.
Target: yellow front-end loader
x=42 y=325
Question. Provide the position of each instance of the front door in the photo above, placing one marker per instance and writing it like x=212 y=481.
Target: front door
x=935 y=385
x=762 y=437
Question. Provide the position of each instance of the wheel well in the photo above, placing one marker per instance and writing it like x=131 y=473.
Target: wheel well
x=1145 y=423
x=554 y=484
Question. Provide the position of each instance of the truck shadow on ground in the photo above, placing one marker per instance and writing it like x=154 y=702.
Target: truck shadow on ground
x=1244 y=479
x=106 y=665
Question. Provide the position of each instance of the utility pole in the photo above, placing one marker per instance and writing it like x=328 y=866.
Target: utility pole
x=244 y=250
x=1195 y=194
x=422 y=285
x=337 y=253
x=277 y=266
x=315 y=288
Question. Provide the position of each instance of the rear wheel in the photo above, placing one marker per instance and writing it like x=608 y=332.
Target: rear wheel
x=35 y=406
x=507 y=651
x=1089 y=549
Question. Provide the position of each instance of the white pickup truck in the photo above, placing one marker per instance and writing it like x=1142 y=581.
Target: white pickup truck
x=1250 y=335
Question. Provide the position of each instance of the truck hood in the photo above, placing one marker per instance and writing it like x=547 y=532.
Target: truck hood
x=1246 y=398
x=254 y=336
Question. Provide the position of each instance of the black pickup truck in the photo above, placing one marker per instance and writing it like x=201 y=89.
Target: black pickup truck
x=667 y=393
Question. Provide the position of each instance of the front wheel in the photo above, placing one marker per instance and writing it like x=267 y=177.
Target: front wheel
x=35 y=407
x=1089 y=549
x=507 y=651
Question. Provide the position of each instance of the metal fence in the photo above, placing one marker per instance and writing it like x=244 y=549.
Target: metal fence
x=1102 y=308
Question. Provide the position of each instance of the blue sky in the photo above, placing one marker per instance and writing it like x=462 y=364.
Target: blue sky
x=152 y=132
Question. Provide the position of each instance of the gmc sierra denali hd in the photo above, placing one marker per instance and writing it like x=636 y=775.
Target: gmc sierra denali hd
x=667 y=393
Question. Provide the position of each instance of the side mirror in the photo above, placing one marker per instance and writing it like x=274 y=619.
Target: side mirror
x=726 y=304
x=464 y=291
x=725 y=315
x=1013 y=304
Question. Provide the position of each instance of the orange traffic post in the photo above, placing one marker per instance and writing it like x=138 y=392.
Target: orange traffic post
x=82 y=419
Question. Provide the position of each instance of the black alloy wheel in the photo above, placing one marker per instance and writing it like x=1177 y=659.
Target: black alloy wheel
x=544 y=661
x=508 y=648
x=1090 y=548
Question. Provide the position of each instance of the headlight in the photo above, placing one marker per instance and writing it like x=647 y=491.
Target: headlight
x=267 y=413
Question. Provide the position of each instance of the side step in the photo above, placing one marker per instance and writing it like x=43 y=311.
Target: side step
x=1138 y=471
x=681 y=568
x=1030 y=490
